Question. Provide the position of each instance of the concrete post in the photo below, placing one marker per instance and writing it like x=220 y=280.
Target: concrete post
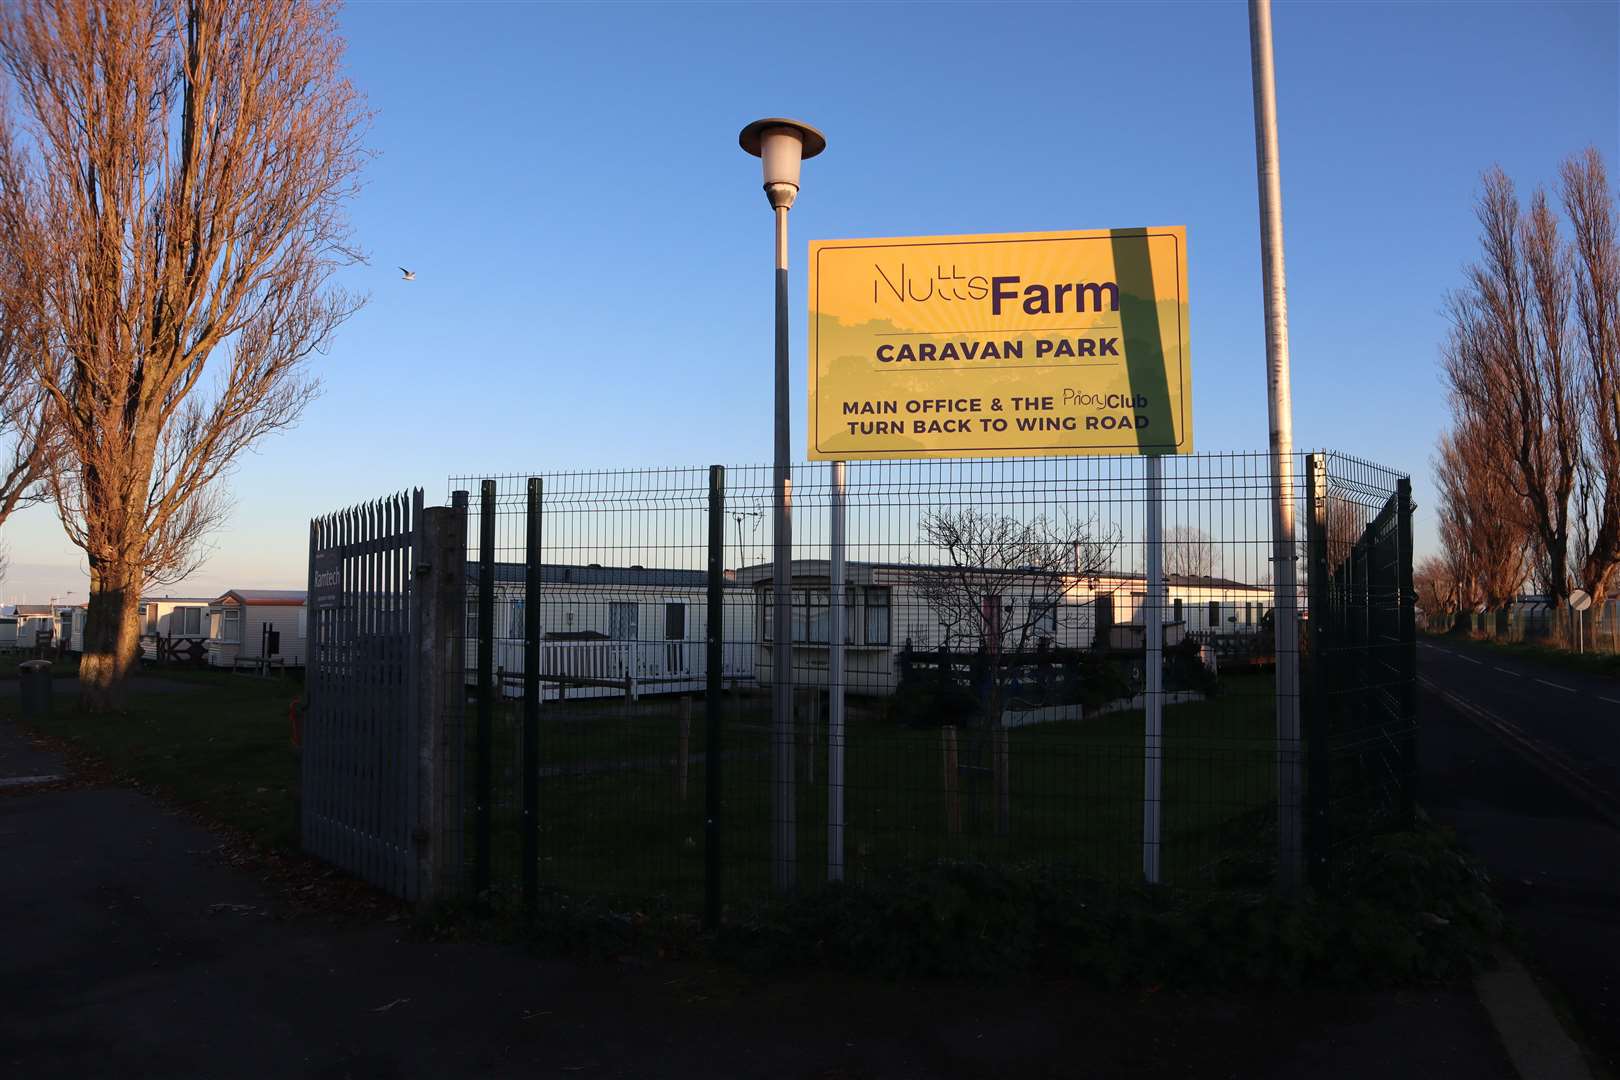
x=441 y=599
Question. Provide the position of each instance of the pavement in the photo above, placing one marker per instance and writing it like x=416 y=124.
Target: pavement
x=132 y=949
x=1521 y=759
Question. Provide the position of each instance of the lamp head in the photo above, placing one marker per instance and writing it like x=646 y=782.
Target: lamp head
x=781 y=145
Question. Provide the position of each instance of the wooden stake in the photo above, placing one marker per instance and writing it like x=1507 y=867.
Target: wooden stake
x=998 y=771
x=683 y=753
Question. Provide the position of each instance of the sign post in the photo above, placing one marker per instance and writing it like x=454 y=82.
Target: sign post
x=1153 y=697
x=1023 y=345
x=836 y=680
x=1580 y=601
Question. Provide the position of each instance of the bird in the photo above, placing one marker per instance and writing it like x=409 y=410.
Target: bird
x=410 y=275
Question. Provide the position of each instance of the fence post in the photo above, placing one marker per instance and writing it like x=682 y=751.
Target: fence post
x=1319 y=687
x=713 y=706
x=439 y=596
x=531 y=701
x=953 y=799
x=1408 y=654
x=486 y=686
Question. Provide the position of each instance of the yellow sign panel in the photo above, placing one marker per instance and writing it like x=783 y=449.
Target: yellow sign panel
x=1021 y=344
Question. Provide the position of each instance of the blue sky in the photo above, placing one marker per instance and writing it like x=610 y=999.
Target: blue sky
x=593 y=249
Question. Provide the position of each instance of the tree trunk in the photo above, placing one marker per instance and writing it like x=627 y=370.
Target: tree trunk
x=111 y=638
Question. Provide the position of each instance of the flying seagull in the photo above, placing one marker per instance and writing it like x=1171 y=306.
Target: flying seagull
x=410 y=275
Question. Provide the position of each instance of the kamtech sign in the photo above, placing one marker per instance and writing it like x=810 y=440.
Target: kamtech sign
x=1020 y=344
x=327 y=579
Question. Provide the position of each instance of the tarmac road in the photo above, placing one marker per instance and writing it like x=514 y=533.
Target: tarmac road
x=1523 y=760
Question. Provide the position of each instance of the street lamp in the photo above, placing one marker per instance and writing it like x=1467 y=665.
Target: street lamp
x=781 y=145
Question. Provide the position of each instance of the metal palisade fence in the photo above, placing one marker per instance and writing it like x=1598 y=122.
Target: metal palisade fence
x=380 y=764
x=986 y=698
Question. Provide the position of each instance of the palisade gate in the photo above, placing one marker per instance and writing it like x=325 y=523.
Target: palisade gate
x=381 y=737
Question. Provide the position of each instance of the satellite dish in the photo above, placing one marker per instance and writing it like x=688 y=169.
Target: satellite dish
x=1580 y=599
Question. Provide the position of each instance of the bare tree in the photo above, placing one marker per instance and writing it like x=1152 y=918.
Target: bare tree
x=26 y=423
x=1002 y=586
x=1594 y=256
x=1190 y=552
x=179 y=215
x=1438 y=591
x=1000 y=583
x=1479 y=520
x=1534 y=373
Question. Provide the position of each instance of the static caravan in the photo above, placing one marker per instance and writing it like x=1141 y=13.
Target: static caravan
x=1200 y=606
x=178 y=621
x=70 y=627
x=8 y=630
x=890 y=607
x=248 y=626
x=611 y=623
x=35 y=623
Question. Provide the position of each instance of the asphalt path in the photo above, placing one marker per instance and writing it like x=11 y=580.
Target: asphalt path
x=1523 y=760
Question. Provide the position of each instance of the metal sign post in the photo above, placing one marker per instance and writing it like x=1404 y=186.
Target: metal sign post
x=1153 y=619
x=836 y=679
x=1580 y=601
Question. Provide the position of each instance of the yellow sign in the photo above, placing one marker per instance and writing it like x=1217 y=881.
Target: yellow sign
x=1021 y=344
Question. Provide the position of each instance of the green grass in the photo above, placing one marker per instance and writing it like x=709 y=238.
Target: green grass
x=209 y=741
x=63 y=667
x=617 y=826
x=612 y=822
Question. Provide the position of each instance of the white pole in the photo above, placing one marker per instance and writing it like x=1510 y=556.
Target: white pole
x=835 y=675
x=1153 y=618
x=1290 y=809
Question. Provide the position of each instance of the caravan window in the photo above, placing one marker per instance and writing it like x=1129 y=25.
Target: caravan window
x=623 y=621
x=230 y=625
x=877 y=616
x=187 y=622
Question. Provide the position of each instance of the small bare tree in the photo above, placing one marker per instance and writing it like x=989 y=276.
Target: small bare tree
x=178 y=214
x=1000 y=583
x=1190 y=552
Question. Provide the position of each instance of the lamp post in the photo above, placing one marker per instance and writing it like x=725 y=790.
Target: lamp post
x=1290 y=779
x=781 y=145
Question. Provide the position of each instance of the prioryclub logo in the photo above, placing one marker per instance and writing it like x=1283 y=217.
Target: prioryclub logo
x=938 y=284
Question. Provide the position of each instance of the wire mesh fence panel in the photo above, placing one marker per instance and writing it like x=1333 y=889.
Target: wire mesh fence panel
x=968 y=681
x=608 y=611
x=1365 y=641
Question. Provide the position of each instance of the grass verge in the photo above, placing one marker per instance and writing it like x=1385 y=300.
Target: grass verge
x=210 y=742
